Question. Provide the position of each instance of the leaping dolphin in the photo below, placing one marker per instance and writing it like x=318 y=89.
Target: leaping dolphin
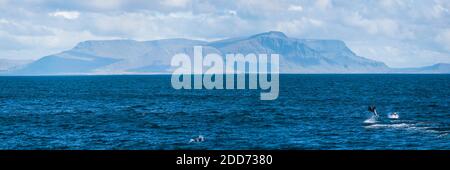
x=373 y=109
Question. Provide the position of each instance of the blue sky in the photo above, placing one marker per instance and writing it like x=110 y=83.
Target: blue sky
x=401 y=33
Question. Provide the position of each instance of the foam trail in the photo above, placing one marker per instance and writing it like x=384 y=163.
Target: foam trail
x=400 y=125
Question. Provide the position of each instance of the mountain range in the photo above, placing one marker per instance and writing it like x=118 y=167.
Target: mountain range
x=151 y=57
x=8 y=64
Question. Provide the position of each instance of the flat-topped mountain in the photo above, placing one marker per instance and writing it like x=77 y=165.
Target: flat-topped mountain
x=140 y=57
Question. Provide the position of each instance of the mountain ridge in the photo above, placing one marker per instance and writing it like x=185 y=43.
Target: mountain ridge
x=150 y=57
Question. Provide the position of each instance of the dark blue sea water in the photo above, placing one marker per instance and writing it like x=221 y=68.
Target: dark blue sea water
x=145 y=112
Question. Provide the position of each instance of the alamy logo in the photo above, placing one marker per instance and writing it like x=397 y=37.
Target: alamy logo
x=212 y=72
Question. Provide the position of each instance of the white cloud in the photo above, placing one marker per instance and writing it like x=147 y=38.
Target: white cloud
x=104 y=4
x=439 y=10
x=379 y=26
x=443 y=39
x=156 y=25
x=17 y=28
x=299 y=27
x=71 y=15
x=232 y=12
x=391 y=3
x=297 y=8
x=324 y=4
x=175 y=3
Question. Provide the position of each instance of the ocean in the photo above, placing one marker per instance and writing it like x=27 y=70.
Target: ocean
x=131 y=112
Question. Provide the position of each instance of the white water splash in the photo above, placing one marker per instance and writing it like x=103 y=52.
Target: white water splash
x=393 y=115
x=372 y=119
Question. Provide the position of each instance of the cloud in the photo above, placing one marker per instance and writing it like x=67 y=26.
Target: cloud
x=387 y=27
x=15 y=28
x=175 y=3
x=104 y=4
x=66 y=14
x=232 y=12
x=324 y=4
x=299 y=27
x=157 y=25
x=443 y=39
x=385 y=30
x=297 y=8
x=439 y=11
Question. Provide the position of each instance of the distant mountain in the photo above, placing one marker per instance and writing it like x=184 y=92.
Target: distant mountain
x=437 y=68
x=134 y=57
x=6 y=64
x=302 y=56
x=112 y=57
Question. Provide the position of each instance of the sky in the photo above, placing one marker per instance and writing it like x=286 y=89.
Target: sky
x=400 y=33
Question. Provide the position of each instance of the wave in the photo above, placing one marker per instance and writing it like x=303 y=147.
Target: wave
x=399 y=125
x=410 y=126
